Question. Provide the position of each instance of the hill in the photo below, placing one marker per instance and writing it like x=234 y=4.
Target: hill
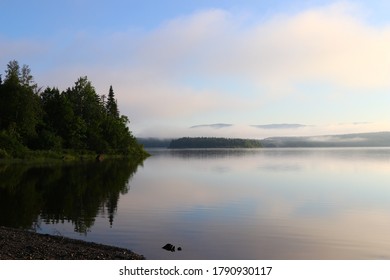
x=154 y=142
x=374 y=139
x=213 y=142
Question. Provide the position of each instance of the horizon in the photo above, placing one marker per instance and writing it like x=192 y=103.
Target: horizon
x=248 y=69
x=270 y=137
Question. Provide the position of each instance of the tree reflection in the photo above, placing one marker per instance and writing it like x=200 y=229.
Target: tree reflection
x=75 y=193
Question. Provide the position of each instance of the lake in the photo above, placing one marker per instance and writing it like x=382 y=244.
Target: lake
x=328 y=203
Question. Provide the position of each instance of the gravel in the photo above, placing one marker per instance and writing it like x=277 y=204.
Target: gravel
x=16 y=244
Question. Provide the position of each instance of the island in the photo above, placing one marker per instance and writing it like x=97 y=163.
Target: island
x=213 y=142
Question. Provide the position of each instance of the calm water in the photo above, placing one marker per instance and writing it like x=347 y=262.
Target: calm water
x=215 y=204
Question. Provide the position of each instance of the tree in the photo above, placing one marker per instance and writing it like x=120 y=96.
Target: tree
x=12 y=72
x=77 y=118
x=88 y=115
x=57 y=116
x=111 y=105
x=27 y=79
x=19 y=110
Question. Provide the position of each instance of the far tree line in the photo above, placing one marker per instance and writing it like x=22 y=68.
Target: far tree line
x=213 y=142
x=49 y=119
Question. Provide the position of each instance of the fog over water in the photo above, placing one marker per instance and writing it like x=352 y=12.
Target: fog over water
x=281 y=203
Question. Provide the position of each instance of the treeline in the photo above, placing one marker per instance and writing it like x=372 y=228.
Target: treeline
x=371 y=139
x=76 y=119
x=154 y=142
x=213 y=142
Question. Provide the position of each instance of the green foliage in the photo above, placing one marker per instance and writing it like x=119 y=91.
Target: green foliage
x=77 y=118
x=10 y=145
x=213 y=142
x=19 y=105
x=3 y=154
x=12 y=72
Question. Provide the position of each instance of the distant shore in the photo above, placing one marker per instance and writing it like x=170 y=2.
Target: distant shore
x=359 y=140
x=17 y=244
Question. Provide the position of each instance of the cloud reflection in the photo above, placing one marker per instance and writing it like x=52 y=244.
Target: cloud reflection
x=256 y=213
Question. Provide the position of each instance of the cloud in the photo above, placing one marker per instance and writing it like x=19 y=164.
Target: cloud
x=214 y=126
x=336 y=139
x=279 y=126
x=327 y=45
x=215 y=63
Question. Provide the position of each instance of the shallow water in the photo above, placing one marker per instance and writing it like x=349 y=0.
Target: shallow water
x=230 y=204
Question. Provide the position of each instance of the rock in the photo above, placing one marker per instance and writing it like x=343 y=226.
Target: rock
x=169 y=247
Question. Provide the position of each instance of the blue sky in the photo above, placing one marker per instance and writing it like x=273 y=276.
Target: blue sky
x=180 y=67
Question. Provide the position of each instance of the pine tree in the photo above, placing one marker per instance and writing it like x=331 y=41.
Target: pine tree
x=111 y=105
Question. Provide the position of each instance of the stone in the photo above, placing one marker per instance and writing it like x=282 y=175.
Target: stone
x=169 y=247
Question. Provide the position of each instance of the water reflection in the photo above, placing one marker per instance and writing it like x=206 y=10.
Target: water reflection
x=72 y=193
x=215 y=204
x=263 y=204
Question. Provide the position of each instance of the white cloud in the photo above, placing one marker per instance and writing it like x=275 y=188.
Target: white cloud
x=326 y=44
x=176 y=75
x=329 y=45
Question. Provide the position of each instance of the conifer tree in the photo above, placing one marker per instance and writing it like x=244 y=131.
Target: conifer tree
x=111 y=105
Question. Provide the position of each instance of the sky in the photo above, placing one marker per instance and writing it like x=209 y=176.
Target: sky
x=247 y=69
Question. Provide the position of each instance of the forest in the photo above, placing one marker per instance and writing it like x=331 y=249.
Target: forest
x=154 y=142
x=213 y=142
x=48 y=121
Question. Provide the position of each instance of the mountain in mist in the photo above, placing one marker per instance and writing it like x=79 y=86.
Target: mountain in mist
x=213 y=142
x=152 y=142
x=373 y=139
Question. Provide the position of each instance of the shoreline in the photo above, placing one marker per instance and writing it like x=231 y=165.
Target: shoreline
x=18 y=244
